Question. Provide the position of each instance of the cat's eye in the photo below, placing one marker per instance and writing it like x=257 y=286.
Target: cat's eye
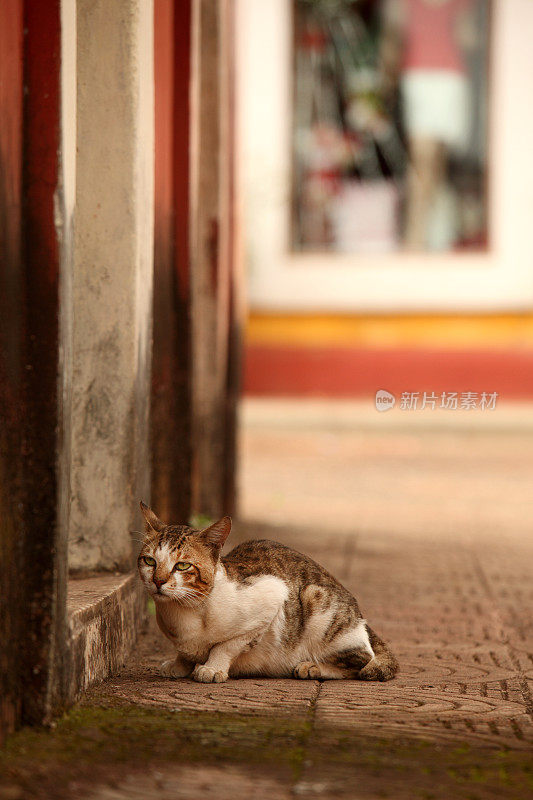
x=183 y=565
x=149 y=560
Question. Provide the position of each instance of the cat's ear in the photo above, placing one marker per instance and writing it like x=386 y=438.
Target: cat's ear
x=217 y=533
x=151 y=521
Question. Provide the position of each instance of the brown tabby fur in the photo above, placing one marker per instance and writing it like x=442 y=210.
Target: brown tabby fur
x=263 y=609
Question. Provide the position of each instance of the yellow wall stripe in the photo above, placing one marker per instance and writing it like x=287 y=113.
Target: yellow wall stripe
x=446 y=332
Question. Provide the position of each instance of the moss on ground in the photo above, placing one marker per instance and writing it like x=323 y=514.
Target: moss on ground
x=92 y=742
x=89 y=741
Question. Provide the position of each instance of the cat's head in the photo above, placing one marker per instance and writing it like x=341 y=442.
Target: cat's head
x=177 y=562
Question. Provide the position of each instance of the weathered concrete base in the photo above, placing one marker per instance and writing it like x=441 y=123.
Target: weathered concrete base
x=105 y=615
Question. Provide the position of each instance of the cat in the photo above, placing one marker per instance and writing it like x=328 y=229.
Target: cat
x=262 y=610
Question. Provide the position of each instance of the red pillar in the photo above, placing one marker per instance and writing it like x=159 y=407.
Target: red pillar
x=30 y=566
x=196 y=356
x=171 y=366
x=10 y=358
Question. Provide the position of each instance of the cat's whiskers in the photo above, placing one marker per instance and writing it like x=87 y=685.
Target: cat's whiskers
x=138 y=537
x=188 y=597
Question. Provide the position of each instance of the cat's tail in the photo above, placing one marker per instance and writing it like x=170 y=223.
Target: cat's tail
x=384 y=665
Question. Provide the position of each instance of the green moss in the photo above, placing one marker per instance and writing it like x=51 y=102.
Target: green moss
x=118 y=734
x=459 y=770
x=503 y=775
x=92 y=741
x=150 y=605
x=200 y=521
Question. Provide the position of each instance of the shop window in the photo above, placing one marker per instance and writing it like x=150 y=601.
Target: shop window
x=390 y=125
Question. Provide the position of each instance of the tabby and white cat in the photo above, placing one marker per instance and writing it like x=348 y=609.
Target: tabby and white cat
x=262 y=610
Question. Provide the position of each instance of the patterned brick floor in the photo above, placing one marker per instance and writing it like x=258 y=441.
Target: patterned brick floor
x=432 y=531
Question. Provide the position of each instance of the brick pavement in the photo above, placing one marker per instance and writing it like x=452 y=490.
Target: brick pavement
x=432 y=531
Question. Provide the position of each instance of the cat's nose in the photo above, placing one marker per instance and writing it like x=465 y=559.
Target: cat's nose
x=159 y=583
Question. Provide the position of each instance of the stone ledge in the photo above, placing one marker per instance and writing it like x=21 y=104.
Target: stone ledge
x=105 y=615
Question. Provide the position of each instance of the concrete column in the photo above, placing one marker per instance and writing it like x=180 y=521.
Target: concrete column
x=112 y=280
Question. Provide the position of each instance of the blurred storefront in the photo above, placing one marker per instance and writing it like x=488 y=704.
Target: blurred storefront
x=388 y=178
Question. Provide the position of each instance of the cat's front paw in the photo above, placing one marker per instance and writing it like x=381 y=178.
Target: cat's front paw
x=204 y=674
x=307 y=669
x=174 y=668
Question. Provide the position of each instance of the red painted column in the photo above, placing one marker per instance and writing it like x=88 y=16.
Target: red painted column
x=196 y=314
x=40 y=345
x=29 y=354
x=10 y=360
x=171 y=363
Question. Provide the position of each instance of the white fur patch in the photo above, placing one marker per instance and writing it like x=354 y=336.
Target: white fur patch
x=356 y=639
x=231 y=610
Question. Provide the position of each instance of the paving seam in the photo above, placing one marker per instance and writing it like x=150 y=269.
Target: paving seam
x=311 y=717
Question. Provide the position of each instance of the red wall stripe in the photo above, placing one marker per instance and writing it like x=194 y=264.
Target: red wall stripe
x=347 y=372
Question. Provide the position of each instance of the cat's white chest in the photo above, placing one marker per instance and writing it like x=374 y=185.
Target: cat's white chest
x=231 y=610
x=188 y=630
